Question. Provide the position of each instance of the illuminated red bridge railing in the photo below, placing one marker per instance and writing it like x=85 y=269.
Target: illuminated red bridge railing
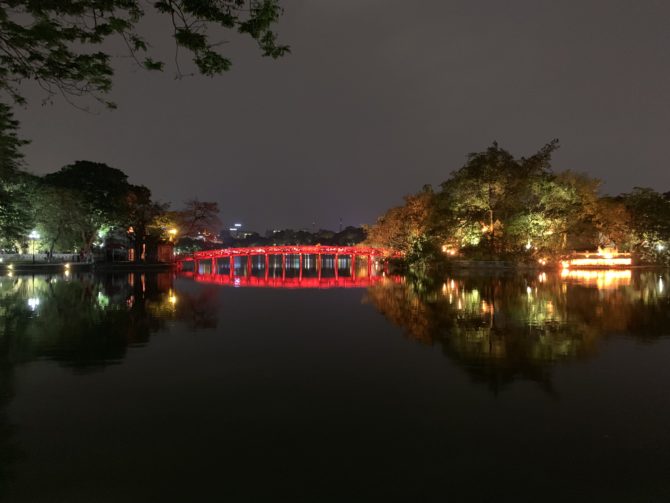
x=301 y=266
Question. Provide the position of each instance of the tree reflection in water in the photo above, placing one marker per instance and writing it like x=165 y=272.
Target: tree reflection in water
x=83 y=322
x=503 y=327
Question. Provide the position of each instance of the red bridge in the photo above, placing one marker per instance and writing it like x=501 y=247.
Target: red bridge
x=294 y=282
x=314 y=264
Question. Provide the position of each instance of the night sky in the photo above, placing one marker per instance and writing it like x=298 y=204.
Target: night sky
x=378 y=98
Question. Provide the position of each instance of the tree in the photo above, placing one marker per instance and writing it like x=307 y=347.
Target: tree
x=15 y=212
x=54 y=209
x=498 y=202
x=143 y=216
x=404 y=226
x=62 y=45
x=649 y=223
x=197 y=217
x=97 y=197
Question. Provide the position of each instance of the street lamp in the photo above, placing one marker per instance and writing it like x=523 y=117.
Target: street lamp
x=33 y=236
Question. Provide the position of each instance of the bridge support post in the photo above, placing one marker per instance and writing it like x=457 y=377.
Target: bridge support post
x=267 y=266
x=337 y=265
x=215 y=266
x=249 y=266
x=283 y=266
x=300 y=274
x=369 y=266
x=353 y=266
x=196 y=267
x=232 y=265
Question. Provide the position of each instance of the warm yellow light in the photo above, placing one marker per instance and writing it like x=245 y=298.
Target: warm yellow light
x=67 y=266
x=604 y=257
x=172 y=232
x=602 y=279
x=448 y=250
x=601 y=261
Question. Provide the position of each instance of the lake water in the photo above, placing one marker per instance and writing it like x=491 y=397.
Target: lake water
x=468 y=387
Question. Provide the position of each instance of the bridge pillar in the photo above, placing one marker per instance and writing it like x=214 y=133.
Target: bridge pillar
x=300 y=274
x=267 y=266
x=369 y=266
x=232 y=265
x=249 y=265
x=215 y=266
x=196 y=269
x=353 y=266
x=337 y=265
x=283 y=266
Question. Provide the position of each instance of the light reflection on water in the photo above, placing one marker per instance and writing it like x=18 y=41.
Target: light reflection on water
x=307 y=359
x=501 y=328
x=542 y=316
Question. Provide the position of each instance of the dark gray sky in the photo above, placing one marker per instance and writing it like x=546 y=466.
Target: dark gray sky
x=380 y=97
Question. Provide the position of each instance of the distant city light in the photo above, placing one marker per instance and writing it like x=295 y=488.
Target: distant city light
x=238 y=225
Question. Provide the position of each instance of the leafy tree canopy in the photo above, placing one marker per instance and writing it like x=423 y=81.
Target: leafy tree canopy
x=60 y=44
x=98 y=195
x=14 y=208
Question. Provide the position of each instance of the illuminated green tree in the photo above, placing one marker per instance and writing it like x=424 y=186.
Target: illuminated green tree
x=496 y=201
x=97 y=197
x=55 y=210
x=649 y=224
x=15 y=209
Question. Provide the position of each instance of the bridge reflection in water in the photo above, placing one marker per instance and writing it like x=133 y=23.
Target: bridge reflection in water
x=288 y=266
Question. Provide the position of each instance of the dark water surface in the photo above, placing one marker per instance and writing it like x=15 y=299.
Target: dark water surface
x=150 y=388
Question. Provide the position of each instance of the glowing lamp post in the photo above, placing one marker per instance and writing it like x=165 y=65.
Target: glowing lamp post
x=33 y=236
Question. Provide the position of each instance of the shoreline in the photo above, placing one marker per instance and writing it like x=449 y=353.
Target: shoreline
x=46 y=268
